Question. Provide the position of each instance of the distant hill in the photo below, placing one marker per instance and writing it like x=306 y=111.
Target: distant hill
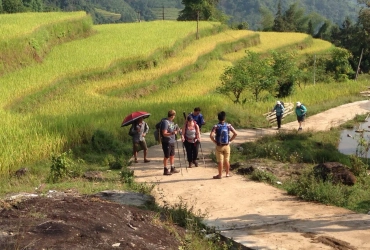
x=108 y=11
x=248 y=10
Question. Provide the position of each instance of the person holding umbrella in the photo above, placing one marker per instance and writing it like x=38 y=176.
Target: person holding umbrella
x=138 y=131
x=168 y=132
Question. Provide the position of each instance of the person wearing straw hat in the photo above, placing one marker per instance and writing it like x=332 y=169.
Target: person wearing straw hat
x=300 y=111
x=279 y=109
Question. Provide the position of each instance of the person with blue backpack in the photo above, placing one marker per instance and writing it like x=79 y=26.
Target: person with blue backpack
x=220 y=135
x=300 y=111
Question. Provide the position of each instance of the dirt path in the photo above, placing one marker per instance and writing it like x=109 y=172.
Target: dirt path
x=255 y=214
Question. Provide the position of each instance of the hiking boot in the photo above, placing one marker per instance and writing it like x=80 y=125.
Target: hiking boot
x=195 y=163
x=300 y=128
x=174 y=170
x=166 y=171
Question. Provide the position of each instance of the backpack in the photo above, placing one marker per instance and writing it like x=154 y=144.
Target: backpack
x=222 y=134
x=132 y=131
x=157 y=132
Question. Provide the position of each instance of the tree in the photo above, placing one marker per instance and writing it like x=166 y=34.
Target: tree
x=13 y=6
x=267 y=19
x=279 y=20
x=199 y=10
x=252 y=73
x=285 y=72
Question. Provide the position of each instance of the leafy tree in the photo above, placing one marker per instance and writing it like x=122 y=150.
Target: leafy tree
x=279 y=20
x=267 y=19
x=338 y=64
x=285 y=72
x=252 y=73
x=202 y=9
x=13 y=6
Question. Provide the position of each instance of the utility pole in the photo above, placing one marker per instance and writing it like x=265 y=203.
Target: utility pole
x=314 y=70
x=197 y=25
x=358 y=66
x=138 y=14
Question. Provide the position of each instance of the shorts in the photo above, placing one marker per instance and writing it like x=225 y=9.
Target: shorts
x=141 y=144
x=168 y=149
x=300 y=118
x=223 y=153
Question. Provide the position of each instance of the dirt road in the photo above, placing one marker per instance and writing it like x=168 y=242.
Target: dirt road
x=255 y=214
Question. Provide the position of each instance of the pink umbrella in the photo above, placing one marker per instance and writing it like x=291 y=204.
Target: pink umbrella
x=131 y=118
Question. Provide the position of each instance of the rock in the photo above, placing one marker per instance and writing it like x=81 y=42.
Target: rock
x=236 y=165
x=125 y=197
x=339 y=173
x=94 y=175
x=247 y=170
x=21 y=172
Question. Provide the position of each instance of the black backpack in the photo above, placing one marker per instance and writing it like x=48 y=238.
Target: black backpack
x=157 y=132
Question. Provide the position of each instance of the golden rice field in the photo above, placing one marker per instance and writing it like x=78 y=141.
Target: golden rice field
x=19 y=24
x=52 y=106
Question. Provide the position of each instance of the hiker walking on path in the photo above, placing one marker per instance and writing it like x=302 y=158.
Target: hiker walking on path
x=168 y=138
x=138 y=131
x=300 y=111
x=198 y=117
x=221 y=137
x=279 y=109
x=191 y=138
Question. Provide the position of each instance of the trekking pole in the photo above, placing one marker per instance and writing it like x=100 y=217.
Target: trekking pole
x=178 y=151
x=183 y=148
x=204 y=162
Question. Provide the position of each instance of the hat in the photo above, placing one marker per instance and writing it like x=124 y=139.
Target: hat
x=278 y=102
x=298 y=104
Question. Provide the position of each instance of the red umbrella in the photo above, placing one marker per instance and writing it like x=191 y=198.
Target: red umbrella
x=131 y=118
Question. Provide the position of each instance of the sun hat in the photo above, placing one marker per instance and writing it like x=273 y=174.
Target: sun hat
x=298 y=104
x=278 y=102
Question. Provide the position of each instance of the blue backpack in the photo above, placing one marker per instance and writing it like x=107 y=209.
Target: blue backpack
x=222 y=134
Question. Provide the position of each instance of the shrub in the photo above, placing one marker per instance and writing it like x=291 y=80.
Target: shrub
x=63 y=167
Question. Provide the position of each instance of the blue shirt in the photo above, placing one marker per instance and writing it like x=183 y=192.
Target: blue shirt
x=198 y=119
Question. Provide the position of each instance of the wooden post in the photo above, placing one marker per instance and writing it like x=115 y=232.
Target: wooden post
x=314 y=70
x=359 y=62
x=163 y=13
x=197 y=25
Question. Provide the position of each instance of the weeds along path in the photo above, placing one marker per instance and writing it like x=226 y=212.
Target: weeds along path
x=255 y=214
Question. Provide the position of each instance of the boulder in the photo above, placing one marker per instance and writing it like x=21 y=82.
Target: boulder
x=246 y=170
x=336 y=172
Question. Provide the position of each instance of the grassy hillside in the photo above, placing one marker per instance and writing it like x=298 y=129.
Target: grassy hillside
x=26 y=38
x=90 y=84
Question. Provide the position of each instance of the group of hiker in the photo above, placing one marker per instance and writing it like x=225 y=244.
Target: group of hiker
x=300 y=111
x=190 y=134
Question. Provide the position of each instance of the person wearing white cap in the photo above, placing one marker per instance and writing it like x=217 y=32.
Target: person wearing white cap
x=300 y=111
x=279 y=108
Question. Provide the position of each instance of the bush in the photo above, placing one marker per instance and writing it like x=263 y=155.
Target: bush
x=63 y=167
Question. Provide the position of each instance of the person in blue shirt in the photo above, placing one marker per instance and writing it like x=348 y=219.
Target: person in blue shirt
x=279 y=109
x=300 y=111
x=198 y=117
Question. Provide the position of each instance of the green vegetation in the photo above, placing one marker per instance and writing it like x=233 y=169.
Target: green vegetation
x=310 y=149
x=61 y=117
